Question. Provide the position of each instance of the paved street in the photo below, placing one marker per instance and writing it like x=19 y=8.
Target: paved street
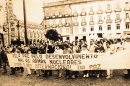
x=23 y=80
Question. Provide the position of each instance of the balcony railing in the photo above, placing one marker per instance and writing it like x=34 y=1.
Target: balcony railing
x=48 y=26
x=91 y=13
x=47 y=17
x=117 y=20
x=100 y=21
x=108 y=11
x=83 y=23
x=60 y=15
x=60 y=25
x=83 y=14
x=54 y=26
x=91 y=22
x=67 y=15
x=75 y=14
x=127 y=9
x=99 y=12
x=76 y=24
x=67 y=24
x=109 y=21
x=117 y=10
x=54 y=16
x=127 y=19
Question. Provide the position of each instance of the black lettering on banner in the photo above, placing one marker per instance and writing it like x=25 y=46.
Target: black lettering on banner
x=29 y=65
x=27 y=60
x=39 y=61
x=25 y=55
x=95 y=66
x=48 y=56
x=16 y=55
x=55 y=61
x=95 y=56
x=20 y=60
x=81 y=67
x=17 y=64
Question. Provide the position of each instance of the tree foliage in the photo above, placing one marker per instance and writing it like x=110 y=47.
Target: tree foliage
x=52 y=34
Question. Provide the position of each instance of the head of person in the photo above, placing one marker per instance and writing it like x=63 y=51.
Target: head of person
x=99 y=43
x=108 y=44
x=65 y=46
x=57 y=47
x=91 y=41
x=84 y=47
x=73 y=43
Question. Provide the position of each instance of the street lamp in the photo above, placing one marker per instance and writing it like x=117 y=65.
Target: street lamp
x=18 y=30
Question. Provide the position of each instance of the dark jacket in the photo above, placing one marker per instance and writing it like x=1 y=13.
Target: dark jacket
x=4 y=56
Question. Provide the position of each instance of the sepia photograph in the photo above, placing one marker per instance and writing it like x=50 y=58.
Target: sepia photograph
x=64 y=42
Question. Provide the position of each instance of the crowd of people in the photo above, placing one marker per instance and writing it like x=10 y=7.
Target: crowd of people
x=104 y=45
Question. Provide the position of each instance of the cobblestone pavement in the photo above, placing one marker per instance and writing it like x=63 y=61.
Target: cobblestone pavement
x=20 y=79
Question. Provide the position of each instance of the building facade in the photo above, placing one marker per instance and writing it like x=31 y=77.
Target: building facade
x=83 y=19
x=8 y=26
x=35 y=32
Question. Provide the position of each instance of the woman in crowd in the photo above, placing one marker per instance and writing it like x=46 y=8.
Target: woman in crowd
x=99 y=49
x=59 y=50
x=85 y=51
x=91 y=49
x=67 y=50
x=75 y=49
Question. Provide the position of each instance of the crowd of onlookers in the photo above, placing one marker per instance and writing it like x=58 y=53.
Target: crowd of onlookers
x=109 y=46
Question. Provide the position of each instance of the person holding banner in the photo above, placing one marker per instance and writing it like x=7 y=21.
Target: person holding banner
x=99 y=49
x=4 y=59
x=67 y=50
x=13 y=69
x=109 y=50
x=91 y=49
x=85 y=51
x=58 y=50
x=50 y=49
x=75 y=49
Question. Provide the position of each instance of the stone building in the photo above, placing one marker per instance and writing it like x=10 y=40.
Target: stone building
x=35 y=32
x=83 y=19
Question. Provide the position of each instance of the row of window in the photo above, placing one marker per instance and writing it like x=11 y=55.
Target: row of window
x=83 y=13
x=100 y=19
x=108 y=27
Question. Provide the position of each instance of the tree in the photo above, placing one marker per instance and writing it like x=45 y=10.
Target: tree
x=52 y=34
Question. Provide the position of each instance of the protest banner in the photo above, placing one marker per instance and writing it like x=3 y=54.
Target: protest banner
x=91 y=61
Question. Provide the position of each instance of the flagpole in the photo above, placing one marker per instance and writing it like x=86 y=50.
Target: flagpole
x=25 y=27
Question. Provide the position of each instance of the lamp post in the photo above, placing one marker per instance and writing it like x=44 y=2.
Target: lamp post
x=18 y=30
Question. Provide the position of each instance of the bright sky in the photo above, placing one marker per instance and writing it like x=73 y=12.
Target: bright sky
x=34 y=11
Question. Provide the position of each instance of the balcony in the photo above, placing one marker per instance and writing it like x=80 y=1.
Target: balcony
x=60 y=25
x=91 y=13
x=76 y=24
x=54 y=26
x=100 y=21
x=91 y=23
x=67 y=24
x=48 y=26
x=99 y=12
x=75 y=15
x=54 y=16
x=118 y=10
x=109 y=21
x=108 y=11
x=60 y=15
x=83 y=14
x=126 y=9
x=67 y=15
x=118 y=20
x=83 y=23
x=127 y=19
x=47 y=17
